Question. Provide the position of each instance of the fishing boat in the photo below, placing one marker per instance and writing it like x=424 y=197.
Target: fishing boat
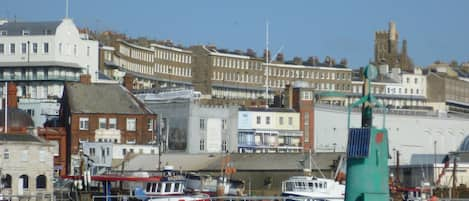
x=171 y=187
x=208 y=184
x=313 y=189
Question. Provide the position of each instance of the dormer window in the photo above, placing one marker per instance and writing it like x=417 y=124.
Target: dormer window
x=47 y=32
x=3 y=33
x=26 y=32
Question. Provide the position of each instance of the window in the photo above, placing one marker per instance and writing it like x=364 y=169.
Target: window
x=280 y=120
x=26 y=32
x=258 y=120
x=202 y=124
x=202 y=145
x=131 y=122
x=167 y=187
x=46 y=48
x=267 y=120
x=102 y=123
x=6 y=154
x=223 y=124
x=41 y=181
x=2 y=48
x=24 y=155
x=224 y=146
x=290 y=121
x=6 y=180
x=112 y=123
x=92 y=152
x=25 y=181
x=12 y=48
x=84 y=123
x=42 y=156
x=75 y=50
x=60 y=48
x=23 y=48
x=150 y=125
x=35 y=48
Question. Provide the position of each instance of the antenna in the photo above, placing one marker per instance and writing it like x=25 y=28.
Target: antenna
x=66 y=8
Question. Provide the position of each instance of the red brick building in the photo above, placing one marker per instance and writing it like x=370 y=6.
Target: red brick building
x=301 y=99
x=99 y=112
x=58 y=137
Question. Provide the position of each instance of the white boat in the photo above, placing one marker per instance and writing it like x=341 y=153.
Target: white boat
x=171 y=187
x=313 y=189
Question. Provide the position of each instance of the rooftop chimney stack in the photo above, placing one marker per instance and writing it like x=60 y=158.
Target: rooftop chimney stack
x=12 y=98
x=85 y=78
x=129 y=82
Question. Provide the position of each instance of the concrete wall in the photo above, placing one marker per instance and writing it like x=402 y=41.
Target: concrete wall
x=408 y=134
x=214 y=116
x=180 y=127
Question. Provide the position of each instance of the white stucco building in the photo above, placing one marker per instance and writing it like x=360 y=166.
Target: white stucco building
x=269 y=130
x=40 y=56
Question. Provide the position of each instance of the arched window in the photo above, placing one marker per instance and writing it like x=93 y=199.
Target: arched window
x=41 y=181
x=25 y=180
x=6 y=181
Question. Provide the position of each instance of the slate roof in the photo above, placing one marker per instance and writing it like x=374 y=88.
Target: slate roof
x=35 y=28
x=101 y=98
x=18 y=138
x=246 y=162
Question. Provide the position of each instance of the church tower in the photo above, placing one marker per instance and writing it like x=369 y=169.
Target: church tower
x=387 y=49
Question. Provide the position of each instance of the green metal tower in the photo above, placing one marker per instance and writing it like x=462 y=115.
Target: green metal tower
x=367 y=151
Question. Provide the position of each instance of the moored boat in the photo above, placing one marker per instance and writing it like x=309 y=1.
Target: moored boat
x=313 y=189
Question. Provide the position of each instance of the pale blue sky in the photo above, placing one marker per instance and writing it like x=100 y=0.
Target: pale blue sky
x=435 y=30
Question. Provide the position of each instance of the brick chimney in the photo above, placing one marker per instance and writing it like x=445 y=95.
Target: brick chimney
x=11 y=93
x=85 y=79
x=128 y=82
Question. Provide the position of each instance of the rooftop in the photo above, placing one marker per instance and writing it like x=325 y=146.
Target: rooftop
x=29 y=28
x=102 y=98
x=14 y=137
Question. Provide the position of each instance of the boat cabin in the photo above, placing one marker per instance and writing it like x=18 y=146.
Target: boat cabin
x=305 y=184
x=175 y=187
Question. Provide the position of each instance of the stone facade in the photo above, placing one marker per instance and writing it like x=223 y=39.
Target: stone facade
x=30 y=161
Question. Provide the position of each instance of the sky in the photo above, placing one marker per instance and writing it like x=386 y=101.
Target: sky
x=434 y=29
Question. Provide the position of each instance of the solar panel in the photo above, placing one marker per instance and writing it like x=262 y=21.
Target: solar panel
x=358 y=142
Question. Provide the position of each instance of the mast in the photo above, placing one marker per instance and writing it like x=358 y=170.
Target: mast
x=267 y=60
x=5 y=93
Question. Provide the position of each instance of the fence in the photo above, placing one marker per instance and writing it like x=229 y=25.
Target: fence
x=223 y=198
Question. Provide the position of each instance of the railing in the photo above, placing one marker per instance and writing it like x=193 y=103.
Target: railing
x=222 y=198
x=407 y=112
x=38 y=197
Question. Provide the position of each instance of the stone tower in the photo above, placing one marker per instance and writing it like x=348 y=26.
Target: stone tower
x=387 y=49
